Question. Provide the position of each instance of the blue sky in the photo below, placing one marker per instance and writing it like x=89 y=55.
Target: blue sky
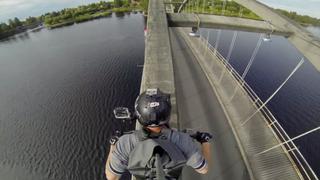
x=25 y=8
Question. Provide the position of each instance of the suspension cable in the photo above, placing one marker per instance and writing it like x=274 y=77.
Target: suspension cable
x=207 y=43
x=198 y=4
x=244 y=74
x=223 y=7
x=241 y=12
x=217 y=42
x=253 y=56
x=212 y=5
x=290 y=140
x=229 y=54
x=219 y=31
x=275 y=92
x=203 y=6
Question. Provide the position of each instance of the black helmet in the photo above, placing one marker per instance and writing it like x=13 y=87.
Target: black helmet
x=153 y=108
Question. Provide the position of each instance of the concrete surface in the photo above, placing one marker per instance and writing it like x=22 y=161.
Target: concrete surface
x=157 y=69
x=199 y=109
x=223 y=22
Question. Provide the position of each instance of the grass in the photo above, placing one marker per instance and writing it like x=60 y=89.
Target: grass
x=80 y=19
x=231 y=9
x=61 y=24
x=122 y=9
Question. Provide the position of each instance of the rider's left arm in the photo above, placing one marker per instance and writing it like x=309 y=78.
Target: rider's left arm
x=206 y=152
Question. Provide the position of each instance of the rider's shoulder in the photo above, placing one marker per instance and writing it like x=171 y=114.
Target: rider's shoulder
x=176 y=134
x=129 y=136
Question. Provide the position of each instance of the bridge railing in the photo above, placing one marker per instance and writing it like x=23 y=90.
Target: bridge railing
x=290 y=148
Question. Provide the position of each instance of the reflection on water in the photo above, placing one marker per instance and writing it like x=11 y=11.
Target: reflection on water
x=23 y=36
x=8 y=39
x=57 y=91
x=119 y=14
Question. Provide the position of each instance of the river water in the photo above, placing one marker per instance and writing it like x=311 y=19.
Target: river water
x=58 y=88
x=57 y=91
x=296 y=105
x=314 y=30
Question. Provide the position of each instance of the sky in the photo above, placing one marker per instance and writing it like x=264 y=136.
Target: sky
x=25 y=8
x=303 y=7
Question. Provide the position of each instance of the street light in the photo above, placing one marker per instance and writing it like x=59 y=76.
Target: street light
x=194 y=32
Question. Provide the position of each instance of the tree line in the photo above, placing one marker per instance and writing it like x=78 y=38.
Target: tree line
x=302 y=19
x=218 y=7
x=231 y=8
x=103 y=8
x=16 y=22
x=91 y=11
x=78 y=14
x=71 y=14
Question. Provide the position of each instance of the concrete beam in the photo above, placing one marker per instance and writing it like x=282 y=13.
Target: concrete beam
x=223 y=22
x=158 y=68
x=304 y=41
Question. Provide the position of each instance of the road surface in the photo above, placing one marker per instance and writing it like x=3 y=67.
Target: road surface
x=199 y=108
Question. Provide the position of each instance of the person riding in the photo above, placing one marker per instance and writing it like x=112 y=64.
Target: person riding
x=152 y=109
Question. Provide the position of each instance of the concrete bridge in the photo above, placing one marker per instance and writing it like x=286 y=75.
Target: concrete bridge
x=202 y=85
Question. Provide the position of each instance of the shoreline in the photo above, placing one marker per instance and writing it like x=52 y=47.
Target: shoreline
x=22 y=29
x=89 y=17
x=70 y=22
x=70 y=16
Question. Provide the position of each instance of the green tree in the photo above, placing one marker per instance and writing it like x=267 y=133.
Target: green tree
x=117 y=3
x=144 y=5
x=67 y=15
x=303 y=19
x=48 y=21
x=54 y=14
x=1 y=29
x=11 y=23
x=17 y=22
x=93 y=6
x=4 y=27
x=31 y=20
x=232 y=8
x=126 y=3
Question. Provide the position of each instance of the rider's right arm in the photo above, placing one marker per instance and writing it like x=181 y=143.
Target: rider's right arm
x=118 y=157
x=109 y=174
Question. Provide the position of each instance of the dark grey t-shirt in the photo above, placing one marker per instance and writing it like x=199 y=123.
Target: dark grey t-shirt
x=126 y=143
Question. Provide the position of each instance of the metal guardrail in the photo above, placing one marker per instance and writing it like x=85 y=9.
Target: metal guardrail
x=290 y=149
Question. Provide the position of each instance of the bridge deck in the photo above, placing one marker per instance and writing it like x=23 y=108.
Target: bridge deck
x=203 y=104
x=199 y=108
x=253 y=137
x=157 y=68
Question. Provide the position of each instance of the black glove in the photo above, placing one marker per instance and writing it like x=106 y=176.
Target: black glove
x=202 y=137
x=114 y=139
